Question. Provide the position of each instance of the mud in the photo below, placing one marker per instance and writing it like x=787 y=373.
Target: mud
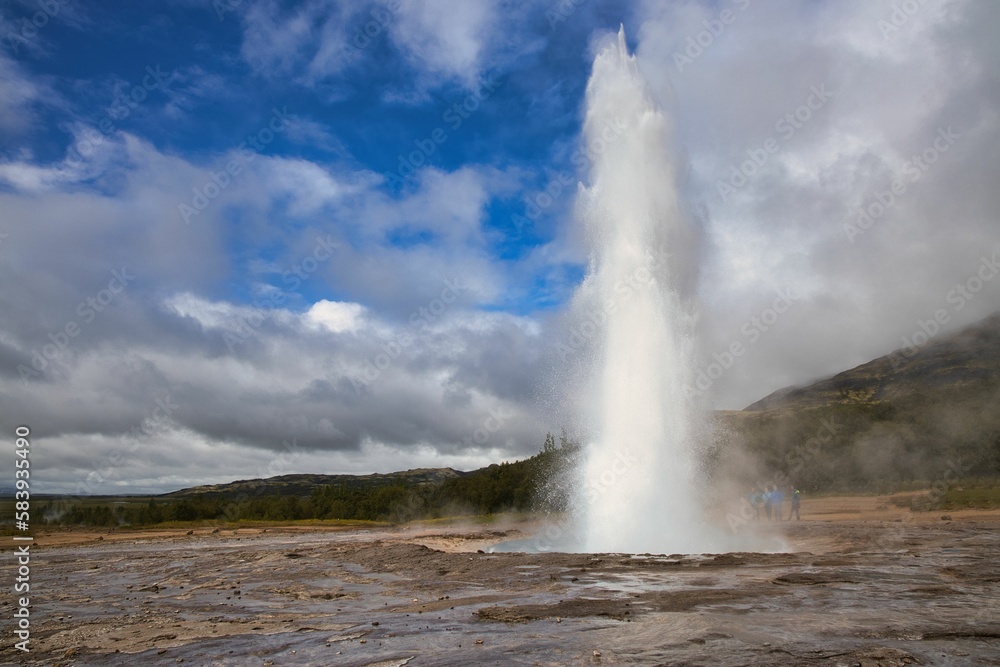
x=871 y=593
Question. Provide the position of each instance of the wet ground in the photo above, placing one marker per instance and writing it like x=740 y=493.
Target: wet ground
x=849 y=593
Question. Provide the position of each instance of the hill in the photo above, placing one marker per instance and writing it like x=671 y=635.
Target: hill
x=305 y=484
x=968 y=360
x=915 y=415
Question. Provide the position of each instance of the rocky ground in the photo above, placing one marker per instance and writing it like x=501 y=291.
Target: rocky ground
x=848 y=592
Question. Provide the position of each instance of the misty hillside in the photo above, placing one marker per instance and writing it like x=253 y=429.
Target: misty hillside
x=967 y=361
x=928 y=414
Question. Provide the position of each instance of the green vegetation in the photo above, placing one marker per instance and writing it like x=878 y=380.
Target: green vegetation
x=532 y=484
x=978 y=496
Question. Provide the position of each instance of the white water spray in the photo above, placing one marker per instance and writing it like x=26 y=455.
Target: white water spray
x=639 y=480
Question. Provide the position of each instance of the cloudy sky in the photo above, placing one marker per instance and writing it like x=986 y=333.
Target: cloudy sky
x=246 y=237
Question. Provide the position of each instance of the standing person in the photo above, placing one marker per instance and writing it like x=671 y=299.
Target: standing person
x=796 y=496
x=756 y=500
x=776 y=499
x=768 y=499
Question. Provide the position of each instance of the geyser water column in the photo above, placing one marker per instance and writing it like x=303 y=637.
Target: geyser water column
x=638 y=492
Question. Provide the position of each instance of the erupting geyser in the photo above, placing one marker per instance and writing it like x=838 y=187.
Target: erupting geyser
x=639 y=490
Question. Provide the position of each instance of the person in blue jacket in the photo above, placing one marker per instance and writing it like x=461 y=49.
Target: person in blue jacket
x=776 y=499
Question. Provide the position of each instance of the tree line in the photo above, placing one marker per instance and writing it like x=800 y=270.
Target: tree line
x=538 y=483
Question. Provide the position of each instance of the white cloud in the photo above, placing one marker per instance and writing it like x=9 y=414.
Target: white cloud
x=309 y=42
x=446 y=40
x=443 y=42
x=336 y=316
x=91 y=154
x=18 y=93
x=310 y=186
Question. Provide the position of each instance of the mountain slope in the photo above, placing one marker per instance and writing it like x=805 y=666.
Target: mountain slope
x=969 y=359
x=926 y=414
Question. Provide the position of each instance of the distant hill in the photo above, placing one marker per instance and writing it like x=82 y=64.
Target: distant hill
x=925 y=414
x=530 y=484
x=304 y=484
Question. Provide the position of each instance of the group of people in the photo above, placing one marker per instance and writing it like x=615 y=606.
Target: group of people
x=770 y=499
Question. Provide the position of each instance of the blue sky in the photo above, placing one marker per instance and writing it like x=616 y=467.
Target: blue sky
x=260 y=284
x=372 y=107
